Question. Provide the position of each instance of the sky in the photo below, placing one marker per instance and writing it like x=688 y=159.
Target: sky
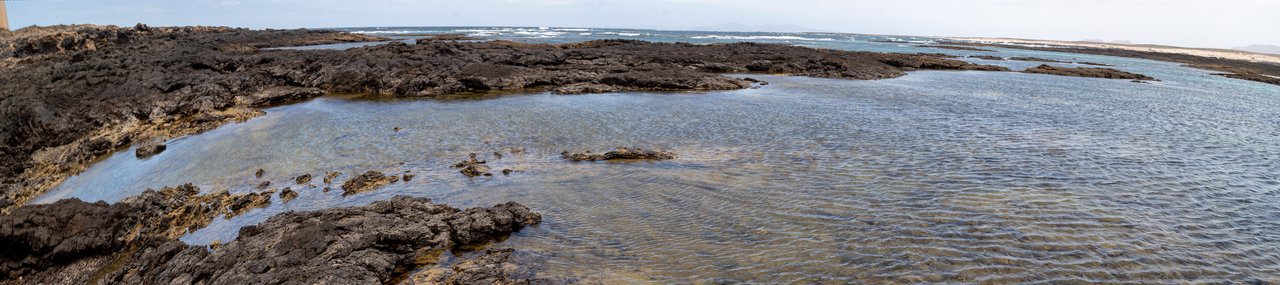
x=1195 y=23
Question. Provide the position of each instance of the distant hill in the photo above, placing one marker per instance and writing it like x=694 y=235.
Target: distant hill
x=1260 y=49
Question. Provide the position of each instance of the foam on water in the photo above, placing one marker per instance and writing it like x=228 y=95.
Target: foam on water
x=726 y=37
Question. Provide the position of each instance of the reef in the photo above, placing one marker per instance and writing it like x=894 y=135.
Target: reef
x=951 y=47
x=1093 y=72
x=619 y=154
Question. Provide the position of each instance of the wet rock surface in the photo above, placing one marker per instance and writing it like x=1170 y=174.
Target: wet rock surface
x=73 y=93
x=38 y=237
x=288 y=194
x=1087 y=72
x=473 y=167
x=494 y=267
x=368 y=181
x=302 y=179
x=619 y=154
x=149 y=148
x=371 y=244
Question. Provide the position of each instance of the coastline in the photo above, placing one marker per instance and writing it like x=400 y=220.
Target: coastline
x=211 y=76
x=1264 y=68
x=214 y=76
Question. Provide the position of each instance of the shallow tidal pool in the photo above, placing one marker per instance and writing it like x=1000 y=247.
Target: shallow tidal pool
x=932 y=177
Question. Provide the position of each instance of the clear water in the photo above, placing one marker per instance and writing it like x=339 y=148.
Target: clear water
x=933 y=177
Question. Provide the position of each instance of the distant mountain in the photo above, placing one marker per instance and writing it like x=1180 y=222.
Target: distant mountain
x=738 y=27
x=1260 y=49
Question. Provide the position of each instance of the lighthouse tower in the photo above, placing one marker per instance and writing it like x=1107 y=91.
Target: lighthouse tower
x=4 y=17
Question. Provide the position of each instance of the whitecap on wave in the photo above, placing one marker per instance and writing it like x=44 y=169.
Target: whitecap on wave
x=781 y=38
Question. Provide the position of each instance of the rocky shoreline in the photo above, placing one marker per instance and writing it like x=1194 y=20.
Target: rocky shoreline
x=76 y=93
x=135 y=242
x=79 y=92
x=1265 y=72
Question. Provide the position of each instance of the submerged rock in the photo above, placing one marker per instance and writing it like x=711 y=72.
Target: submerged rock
x=303 y=179
x=368 y=181
x=473 y=167
x=328 y=178
x=288 y=194
x=149 y=148
x=620 y=153
x=493 y=267
x=1087 y=72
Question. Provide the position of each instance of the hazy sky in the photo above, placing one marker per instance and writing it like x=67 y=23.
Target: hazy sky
x=1203 y=23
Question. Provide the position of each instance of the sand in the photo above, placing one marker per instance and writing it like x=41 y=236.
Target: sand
x=1206 y=52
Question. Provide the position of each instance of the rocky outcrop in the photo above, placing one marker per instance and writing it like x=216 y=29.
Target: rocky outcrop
x=65 y=105
x=619 y=154
x=368 y=181
x=1036 y=59
x=37 y=237
x=987 y=57
x=302 y=179
x=149 y=148
x=371 y=244
x=1087 y=72
x=955 y=47
x=494 y=267
x=473 y=167
x=288 y=194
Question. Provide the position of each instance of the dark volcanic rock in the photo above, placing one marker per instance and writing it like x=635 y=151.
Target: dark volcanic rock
x=366 y=182
x=1036 y=59
x=620 y=153
x=38 y=237
x=303 y=179
x=473 y=167
x=371 y=244
x=149 y=148
x=955 y=47
x=1087 y=72
x=328 y=178
x=1253 y=77
x=74 y=93
x=987 y=57
x=494 y=267
x=288 y=194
